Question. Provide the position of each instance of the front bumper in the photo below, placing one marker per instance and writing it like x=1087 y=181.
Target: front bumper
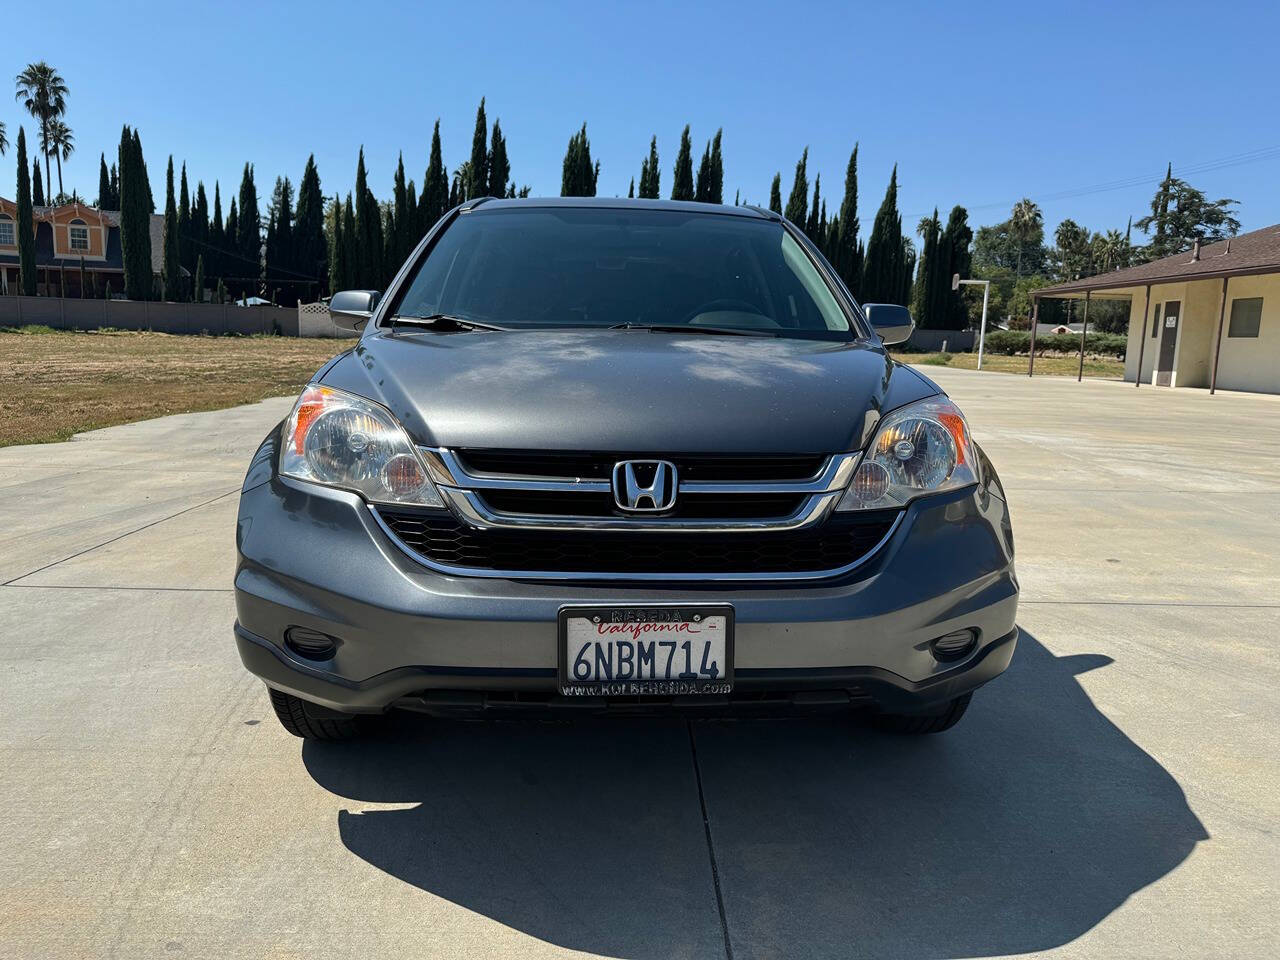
x=410 y=637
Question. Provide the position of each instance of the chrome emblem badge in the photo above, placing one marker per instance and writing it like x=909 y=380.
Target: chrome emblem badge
x=644 y=486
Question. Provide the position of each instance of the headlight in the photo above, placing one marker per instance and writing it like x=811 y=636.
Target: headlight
x=341 y=440
x=922 y=448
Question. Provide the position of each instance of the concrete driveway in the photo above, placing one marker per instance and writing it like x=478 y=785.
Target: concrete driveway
x=1115 y=794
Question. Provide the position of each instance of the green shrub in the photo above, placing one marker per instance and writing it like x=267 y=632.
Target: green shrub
x=1013 y=342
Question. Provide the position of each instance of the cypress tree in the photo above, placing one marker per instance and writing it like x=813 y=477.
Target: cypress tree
x=812 y=227
x=881 y=281
x=702 y=188
x=631 y=190
x=798 y=202
x=149 y=200
x=650 y=174
x=682 y=184
x=848 y=252
x=367 y=239
x=217 y=235
x=955 y=242
x=499 y=165
x=185 y=254
x=311 y=256
x=200 y=222
x=115 y=187
x=337 y=253
x=135 y=218
x=37 y=185
x=350 y=239
x=924 y=299
x=715 y=190
x=434 y=201
x=414 y=233
x=249 y=228
x=220 y=295
x=231 y=260
x=171 y=270
x=84 y=279
x=398 y=237
x=104 y=184
x=198 y=289
x=26 y=226
x=280 y=231
x=579 y=175
x=775 y=194
x=477 y=184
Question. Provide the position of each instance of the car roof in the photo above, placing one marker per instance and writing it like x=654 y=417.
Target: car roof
x=492 y=205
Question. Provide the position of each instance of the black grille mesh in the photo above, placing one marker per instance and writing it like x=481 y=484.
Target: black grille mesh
x=599 y=466
x=441 y=537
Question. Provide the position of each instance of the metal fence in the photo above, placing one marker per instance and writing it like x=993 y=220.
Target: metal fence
x=191 y=318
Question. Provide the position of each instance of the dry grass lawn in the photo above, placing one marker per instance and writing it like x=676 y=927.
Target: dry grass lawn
x=53 y=385
x=1046 y=364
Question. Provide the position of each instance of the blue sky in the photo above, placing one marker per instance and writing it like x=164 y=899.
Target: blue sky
x=977 y=106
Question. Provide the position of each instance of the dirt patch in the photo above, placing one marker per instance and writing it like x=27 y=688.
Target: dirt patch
x=53 y=385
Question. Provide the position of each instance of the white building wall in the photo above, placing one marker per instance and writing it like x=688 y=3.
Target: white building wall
x=1252 y=363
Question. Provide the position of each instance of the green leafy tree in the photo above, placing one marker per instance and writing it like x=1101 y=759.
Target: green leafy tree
x=1026 y=227
x=682 y=184
x=579 y=176
x=171 y=270
x=311 y=252
x=798 y=201
x=26 y=225
x=434 y=201
x=775 y=193
x=650 y=173
x=477 y=184
x=499 y=165
x=43 y=93
x=1181 y=215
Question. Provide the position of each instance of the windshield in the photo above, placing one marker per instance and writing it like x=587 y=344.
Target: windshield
x=624 y=267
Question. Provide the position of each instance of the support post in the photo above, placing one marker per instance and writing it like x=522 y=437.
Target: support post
x=1035 y=320
x=1142 y=344
x=1083 y=331
x=982 y=334
x=1217 y=350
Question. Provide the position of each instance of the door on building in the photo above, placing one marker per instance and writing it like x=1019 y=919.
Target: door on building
x=1168 y=343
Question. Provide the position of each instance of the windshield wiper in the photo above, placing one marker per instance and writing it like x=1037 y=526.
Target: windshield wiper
x=443 y=321
x=690 y=328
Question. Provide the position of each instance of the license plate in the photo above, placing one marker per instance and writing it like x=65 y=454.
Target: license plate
x=661 y=650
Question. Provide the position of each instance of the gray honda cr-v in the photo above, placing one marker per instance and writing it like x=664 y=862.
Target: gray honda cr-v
x=610 y=455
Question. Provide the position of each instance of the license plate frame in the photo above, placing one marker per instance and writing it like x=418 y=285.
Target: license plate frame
x=691 y=613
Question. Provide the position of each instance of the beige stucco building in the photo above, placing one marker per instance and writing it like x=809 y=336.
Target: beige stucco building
x=1209 y=317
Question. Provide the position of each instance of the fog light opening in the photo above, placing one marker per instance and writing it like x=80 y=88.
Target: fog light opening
x=310 y=644
x=953 y=646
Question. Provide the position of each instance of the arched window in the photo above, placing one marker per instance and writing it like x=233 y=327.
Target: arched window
x=8 y=238
x=79 y=233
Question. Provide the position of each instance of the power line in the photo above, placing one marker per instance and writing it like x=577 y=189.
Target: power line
x=1204 y=166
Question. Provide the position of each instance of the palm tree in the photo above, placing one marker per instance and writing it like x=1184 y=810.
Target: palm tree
x=1025 y=222
x=62 y=144
x=44 y=94
x=4 y=141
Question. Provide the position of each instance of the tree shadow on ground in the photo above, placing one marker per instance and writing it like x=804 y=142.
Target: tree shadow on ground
x=1017 y=831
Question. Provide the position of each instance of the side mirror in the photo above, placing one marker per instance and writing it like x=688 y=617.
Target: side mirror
x=351 y=308
x=892 y=322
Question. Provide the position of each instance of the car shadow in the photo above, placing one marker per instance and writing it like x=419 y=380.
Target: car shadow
x=1017 y=831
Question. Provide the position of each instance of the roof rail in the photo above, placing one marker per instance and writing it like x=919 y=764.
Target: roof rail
x=473 y=203
x=763 y=211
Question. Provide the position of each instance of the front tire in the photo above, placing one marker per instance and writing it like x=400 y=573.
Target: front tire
x=915 y=724
x=292 y=714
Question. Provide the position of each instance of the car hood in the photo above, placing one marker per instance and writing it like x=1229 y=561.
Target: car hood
x=628 y=390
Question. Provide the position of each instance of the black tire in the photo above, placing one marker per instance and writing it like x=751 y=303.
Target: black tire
x=292 y=714
x=920 y=723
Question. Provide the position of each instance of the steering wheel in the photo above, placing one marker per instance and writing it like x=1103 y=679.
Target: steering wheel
x=725 y=305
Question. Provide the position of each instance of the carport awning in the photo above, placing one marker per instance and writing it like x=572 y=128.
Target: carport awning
x=1246 y=255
